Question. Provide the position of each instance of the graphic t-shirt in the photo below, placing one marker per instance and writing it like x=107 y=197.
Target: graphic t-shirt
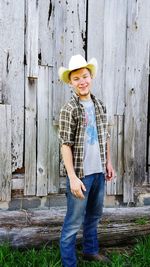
x=92 y=160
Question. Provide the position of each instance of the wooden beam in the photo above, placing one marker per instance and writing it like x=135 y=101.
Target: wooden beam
x=30 y=137
x=53 y=146
x=42 y=131
x=115 y=187
x=32 y=24
x=119 y=226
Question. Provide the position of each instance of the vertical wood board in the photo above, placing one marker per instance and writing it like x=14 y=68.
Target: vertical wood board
x=5 y=153
x=42 y=131
x=120 y=158
x=53 y=147
x=107 y=27
x=12 y=58
x=137 y=65
x=32 y=22
x=69 y=39
x=129 y=160
x=95 y=41
x=111 y=185
x=30 y=137
x=114 y=56
x=115 y=187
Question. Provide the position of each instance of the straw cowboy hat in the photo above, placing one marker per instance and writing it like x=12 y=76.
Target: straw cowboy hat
x=77 y=62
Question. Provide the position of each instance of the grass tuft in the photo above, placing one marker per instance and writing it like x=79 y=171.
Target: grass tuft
x=142 y=221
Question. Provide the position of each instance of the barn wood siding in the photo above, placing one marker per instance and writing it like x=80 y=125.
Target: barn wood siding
x=12 y=59
x=40 y=36
x=137 y=67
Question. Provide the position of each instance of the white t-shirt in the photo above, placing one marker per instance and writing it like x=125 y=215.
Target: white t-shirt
x=92 y=160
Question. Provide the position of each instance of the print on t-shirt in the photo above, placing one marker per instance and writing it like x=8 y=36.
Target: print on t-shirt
x=91 y=130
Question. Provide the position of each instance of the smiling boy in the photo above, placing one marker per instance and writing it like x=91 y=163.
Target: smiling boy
x=85 y=148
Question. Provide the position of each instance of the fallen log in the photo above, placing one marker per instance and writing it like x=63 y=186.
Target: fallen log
x=34 y=228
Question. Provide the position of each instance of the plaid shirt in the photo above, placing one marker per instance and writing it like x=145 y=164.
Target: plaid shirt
x=72 y=124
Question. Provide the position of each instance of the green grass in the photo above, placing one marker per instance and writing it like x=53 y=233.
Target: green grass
x=142 y=221
x=138 y=256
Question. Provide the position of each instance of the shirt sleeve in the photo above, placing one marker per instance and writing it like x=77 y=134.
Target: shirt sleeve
x=67 y=127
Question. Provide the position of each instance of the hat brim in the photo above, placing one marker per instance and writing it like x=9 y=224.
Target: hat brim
x=64 y=73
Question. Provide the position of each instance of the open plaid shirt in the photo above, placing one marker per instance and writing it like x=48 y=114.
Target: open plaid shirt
x=72 y=125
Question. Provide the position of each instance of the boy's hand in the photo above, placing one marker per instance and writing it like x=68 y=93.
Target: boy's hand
x=110 y=171
x=77 y=187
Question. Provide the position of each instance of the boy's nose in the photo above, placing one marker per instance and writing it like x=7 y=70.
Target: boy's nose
x=81 y=81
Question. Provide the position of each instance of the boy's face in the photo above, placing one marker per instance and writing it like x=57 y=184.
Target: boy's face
x=81 y=81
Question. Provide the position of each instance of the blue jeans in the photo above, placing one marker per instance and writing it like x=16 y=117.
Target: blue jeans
x=86 y=212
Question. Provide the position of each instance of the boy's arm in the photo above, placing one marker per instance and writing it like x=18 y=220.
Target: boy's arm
x=76 y=185
x=109 y=169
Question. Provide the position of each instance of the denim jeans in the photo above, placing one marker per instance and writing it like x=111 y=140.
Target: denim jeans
x=86 y=213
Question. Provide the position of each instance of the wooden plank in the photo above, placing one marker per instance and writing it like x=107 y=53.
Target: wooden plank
x=30 y=137
x=109 y=47
x=120 y=158
x=137 y=68
x=42 y=131
x=32 y=16
x=115 y=187
x=96 y=48
x=129 y=155
x=114 y=56
x=69 y=39
x=111 y=186
x=12 y=58
x=46 y=32
x=53 y=147
x=5 y=153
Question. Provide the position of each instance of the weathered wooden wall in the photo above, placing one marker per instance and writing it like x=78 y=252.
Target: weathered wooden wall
x=37 y=38
x=124 y=37
x=12 y=58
